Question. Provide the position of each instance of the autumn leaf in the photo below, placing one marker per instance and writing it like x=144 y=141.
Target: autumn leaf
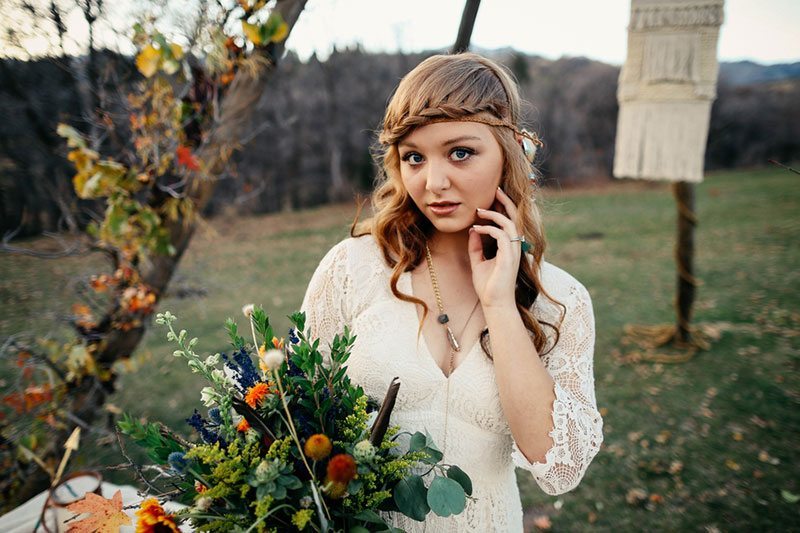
x=252 y=32
x=147 y=61
x=186 y=158
x=106 y=516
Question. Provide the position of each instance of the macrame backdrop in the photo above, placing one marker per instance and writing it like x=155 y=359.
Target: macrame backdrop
x=665 y=92
x=666 y=88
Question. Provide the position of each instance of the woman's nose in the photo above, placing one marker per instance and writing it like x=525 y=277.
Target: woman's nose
x=436 y=179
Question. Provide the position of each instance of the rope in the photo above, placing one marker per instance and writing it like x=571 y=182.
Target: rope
x=649 y=338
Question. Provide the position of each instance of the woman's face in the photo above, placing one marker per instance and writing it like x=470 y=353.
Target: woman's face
x=450 y=169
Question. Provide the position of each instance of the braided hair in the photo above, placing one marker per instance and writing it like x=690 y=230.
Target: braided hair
x=463 y=87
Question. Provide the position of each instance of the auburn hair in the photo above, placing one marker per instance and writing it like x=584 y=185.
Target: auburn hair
x=461 y=87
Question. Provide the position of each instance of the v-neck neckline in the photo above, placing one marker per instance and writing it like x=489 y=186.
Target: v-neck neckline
x=421 y=339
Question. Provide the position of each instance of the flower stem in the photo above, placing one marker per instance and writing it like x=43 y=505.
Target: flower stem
x=292 y=429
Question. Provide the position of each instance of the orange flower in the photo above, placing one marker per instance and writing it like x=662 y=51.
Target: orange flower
x=318 y=447
x=153 y=519
x=243 y=426
x=277 y=343
x=256 y=394
x=199 y=487
x=341 y=468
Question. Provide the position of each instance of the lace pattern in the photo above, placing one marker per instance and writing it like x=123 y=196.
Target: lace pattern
x=351 y=287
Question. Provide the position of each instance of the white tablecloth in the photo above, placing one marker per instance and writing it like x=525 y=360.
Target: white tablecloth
x=23 y=519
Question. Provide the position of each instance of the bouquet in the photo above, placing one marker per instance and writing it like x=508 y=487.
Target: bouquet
x=289 y=443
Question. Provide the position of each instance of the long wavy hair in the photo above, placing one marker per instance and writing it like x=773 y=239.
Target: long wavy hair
x=462 y=87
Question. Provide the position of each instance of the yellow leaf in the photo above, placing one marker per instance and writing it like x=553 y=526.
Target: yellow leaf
x=73 y=137
x=177 y=51
x=280 y=33
x=733 y=465
x=147 y=61
x=252 y=32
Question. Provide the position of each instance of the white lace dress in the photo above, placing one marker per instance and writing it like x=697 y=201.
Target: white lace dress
x=351 y=287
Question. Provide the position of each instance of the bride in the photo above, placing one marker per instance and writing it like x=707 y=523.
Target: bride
x=446 y=288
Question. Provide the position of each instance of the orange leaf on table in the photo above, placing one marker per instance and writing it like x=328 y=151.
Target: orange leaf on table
x=106 y=516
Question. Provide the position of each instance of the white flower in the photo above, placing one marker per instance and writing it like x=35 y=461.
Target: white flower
x=212 y=360
x=248 y=310
x=219 y=376
x=203 y=503
x=272 y=359
x=208 y=396
x=364 y=451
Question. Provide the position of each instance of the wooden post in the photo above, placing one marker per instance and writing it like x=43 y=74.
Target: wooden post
x=467 y=23
x=684 y=257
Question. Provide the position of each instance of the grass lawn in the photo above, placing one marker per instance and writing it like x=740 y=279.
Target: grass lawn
x=701 y=446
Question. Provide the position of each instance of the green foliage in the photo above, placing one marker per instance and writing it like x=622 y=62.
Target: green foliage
x=148 y=436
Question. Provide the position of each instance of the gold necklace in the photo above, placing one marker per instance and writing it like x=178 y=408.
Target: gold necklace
x=451 y=338
x=443 y=319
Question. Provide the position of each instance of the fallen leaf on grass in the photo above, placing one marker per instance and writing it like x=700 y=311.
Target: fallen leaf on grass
x=592 y=517
x=105 y=516
x=542 y=522
x=733 y=465
x=663 y=436
x=737 y=436
x=636 y=497
x=765 y=457
x=675 y=467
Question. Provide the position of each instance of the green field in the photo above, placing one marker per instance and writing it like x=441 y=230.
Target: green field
x=709 y=445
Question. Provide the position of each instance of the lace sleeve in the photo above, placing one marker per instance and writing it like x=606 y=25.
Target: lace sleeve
x=326 y=302
x=577 y=426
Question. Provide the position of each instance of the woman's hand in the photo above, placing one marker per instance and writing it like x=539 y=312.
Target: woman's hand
x=495 y=279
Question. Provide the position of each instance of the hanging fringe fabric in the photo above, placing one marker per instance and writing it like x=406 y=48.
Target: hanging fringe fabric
x=666 y=88
x=665 y=92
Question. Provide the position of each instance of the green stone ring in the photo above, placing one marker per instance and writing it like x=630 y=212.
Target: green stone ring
x=523 y=243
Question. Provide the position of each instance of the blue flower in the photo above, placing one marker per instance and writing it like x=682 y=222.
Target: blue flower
x=245 y=372
x=201 y=426
x=178 y=461
x=214 y=415
x=293 y=338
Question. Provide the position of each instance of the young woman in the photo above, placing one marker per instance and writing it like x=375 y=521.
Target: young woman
x=445 y=287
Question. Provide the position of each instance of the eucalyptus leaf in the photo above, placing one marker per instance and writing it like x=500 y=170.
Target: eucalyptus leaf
x=410 y=497
x=368 y=515
x=446 y=497
x=461 y=477
x=417 y=442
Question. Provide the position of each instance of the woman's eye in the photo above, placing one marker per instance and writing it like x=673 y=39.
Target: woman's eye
x=412 y=158
x=460 y=154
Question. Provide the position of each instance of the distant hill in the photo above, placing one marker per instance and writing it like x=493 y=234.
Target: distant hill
x=748 y=72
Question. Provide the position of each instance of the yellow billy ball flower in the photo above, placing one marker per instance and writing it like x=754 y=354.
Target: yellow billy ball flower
x=318 y=447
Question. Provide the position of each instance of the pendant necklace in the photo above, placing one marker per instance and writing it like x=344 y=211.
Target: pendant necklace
x=452 y=341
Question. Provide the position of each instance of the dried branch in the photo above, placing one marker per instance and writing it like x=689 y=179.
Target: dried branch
x=77 y=248
x=790 y=169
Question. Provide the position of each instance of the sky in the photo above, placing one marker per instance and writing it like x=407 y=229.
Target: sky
x=765 y=31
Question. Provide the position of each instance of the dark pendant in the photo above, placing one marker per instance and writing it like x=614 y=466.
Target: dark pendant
x=443 y=319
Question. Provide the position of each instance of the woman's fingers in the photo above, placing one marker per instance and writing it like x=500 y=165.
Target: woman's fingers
x=502 y=238
x=507 y=203
x=475 y=248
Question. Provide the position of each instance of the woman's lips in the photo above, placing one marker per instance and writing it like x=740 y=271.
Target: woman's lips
x=443 y=208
